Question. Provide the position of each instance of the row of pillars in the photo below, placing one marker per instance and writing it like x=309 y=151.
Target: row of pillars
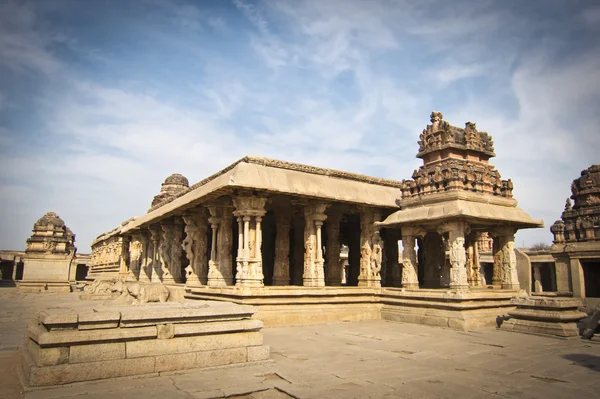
x=158 y=255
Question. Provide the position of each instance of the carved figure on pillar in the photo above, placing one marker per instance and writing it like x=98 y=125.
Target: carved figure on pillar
x=164 y=251
x=510 y=279
x=195 y=245
x=146 y=261
x=219 y=266
x=410 y=277
x=157 y=265
x=314 y=215
x=135 y=254
x=458 y=271
x=369 y=237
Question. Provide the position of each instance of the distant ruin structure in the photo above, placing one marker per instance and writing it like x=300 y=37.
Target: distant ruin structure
x=576 y=247
x=49 y=256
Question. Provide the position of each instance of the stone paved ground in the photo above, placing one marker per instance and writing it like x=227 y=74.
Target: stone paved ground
x=375 y=359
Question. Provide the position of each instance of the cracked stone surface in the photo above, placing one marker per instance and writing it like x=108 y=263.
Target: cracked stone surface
x=375 y=359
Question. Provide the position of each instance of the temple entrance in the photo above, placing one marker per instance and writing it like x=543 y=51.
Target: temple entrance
x=350 y=236
x=591 y=275
x=81 y=272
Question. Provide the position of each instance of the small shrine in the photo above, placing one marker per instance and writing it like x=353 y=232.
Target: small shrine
x=49 y=253
x=453 y=199
x=576 y=248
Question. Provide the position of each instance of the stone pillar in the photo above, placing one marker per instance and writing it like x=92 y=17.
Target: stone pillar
x=250 y=210
x=281 y=272
x=135 y=254
x=371 y=249
x=410 y=276
x=219 y=266
x=176 y=250
x=497 y=269
x=577 y=278
x=157 y=266
x=537 y=279
x=394 y=272
x=510 y=279
x=195 y=245
x=314 y=215
x=146 y=262
x=458 y=259
x=165 y=252
x=474 y=274
x=124 y=257
x=334 y=268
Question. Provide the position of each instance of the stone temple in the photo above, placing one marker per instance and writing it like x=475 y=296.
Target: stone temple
x=269 y=233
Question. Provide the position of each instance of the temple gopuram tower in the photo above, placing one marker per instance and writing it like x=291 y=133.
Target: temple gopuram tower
x=576 y=248
x=49 y=254
x=452 y=199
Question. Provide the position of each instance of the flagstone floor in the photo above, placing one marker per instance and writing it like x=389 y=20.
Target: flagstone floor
x=375 y=359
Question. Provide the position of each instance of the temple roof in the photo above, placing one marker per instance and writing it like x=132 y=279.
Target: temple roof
x=279 y=177
x=469 y=207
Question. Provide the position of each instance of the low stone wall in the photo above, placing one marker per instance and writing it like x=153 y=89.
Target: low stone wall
x=65 y=346
x=543 y=315
x=463 y=310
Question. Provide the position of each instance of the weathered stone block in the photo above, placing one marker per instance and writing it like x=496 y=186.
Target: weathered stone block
x=67 y=373
x=46 y=356
x=97 y=352
x=191 y=344
x=165 y=331
x=221 y=357
x=180 y=361
x=98 y=320
x=218 y=327
x=258 y=353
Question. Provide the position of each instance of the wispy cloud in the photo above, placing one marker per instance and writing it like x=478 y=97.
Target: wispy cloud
x=95 y=114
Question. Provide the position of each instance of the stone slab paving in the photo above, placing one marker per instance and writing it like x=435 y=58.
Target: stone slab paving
x=374 y=359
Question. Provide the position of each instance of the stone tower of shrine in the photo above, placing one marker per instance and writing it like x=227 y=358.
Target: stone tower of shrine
x=173 y=185
x=455 y=159
x=48 y=256
x=453 y=200
x=51 y=236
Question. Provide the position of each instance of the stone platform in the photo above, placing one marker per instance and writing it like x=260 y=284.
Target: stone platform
x=65 y=346
x=544 y=315
x=44 y=286
x=291 y=305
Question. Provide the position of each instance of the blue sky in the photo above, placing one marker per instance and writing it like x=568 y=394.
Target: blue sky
x=100 y=100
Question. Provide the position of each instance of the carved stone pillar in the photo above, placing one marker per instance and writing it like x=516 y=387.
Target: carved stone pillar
x=458 y=258
x=249 y=210
x=537 y=279
x=135 y=254
x=281 y=272
x=410 y=275
x=147 y=253
x=334 y=268
x=195 y=246
x=371 y=250
x=510 y=279
x=314 y=215
x=165 y=252
x=157 y=266
x=473 y=266
x=394 y=273
x=177 y=250
x=497 y=268
x=124 y=257
x=219 y=266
